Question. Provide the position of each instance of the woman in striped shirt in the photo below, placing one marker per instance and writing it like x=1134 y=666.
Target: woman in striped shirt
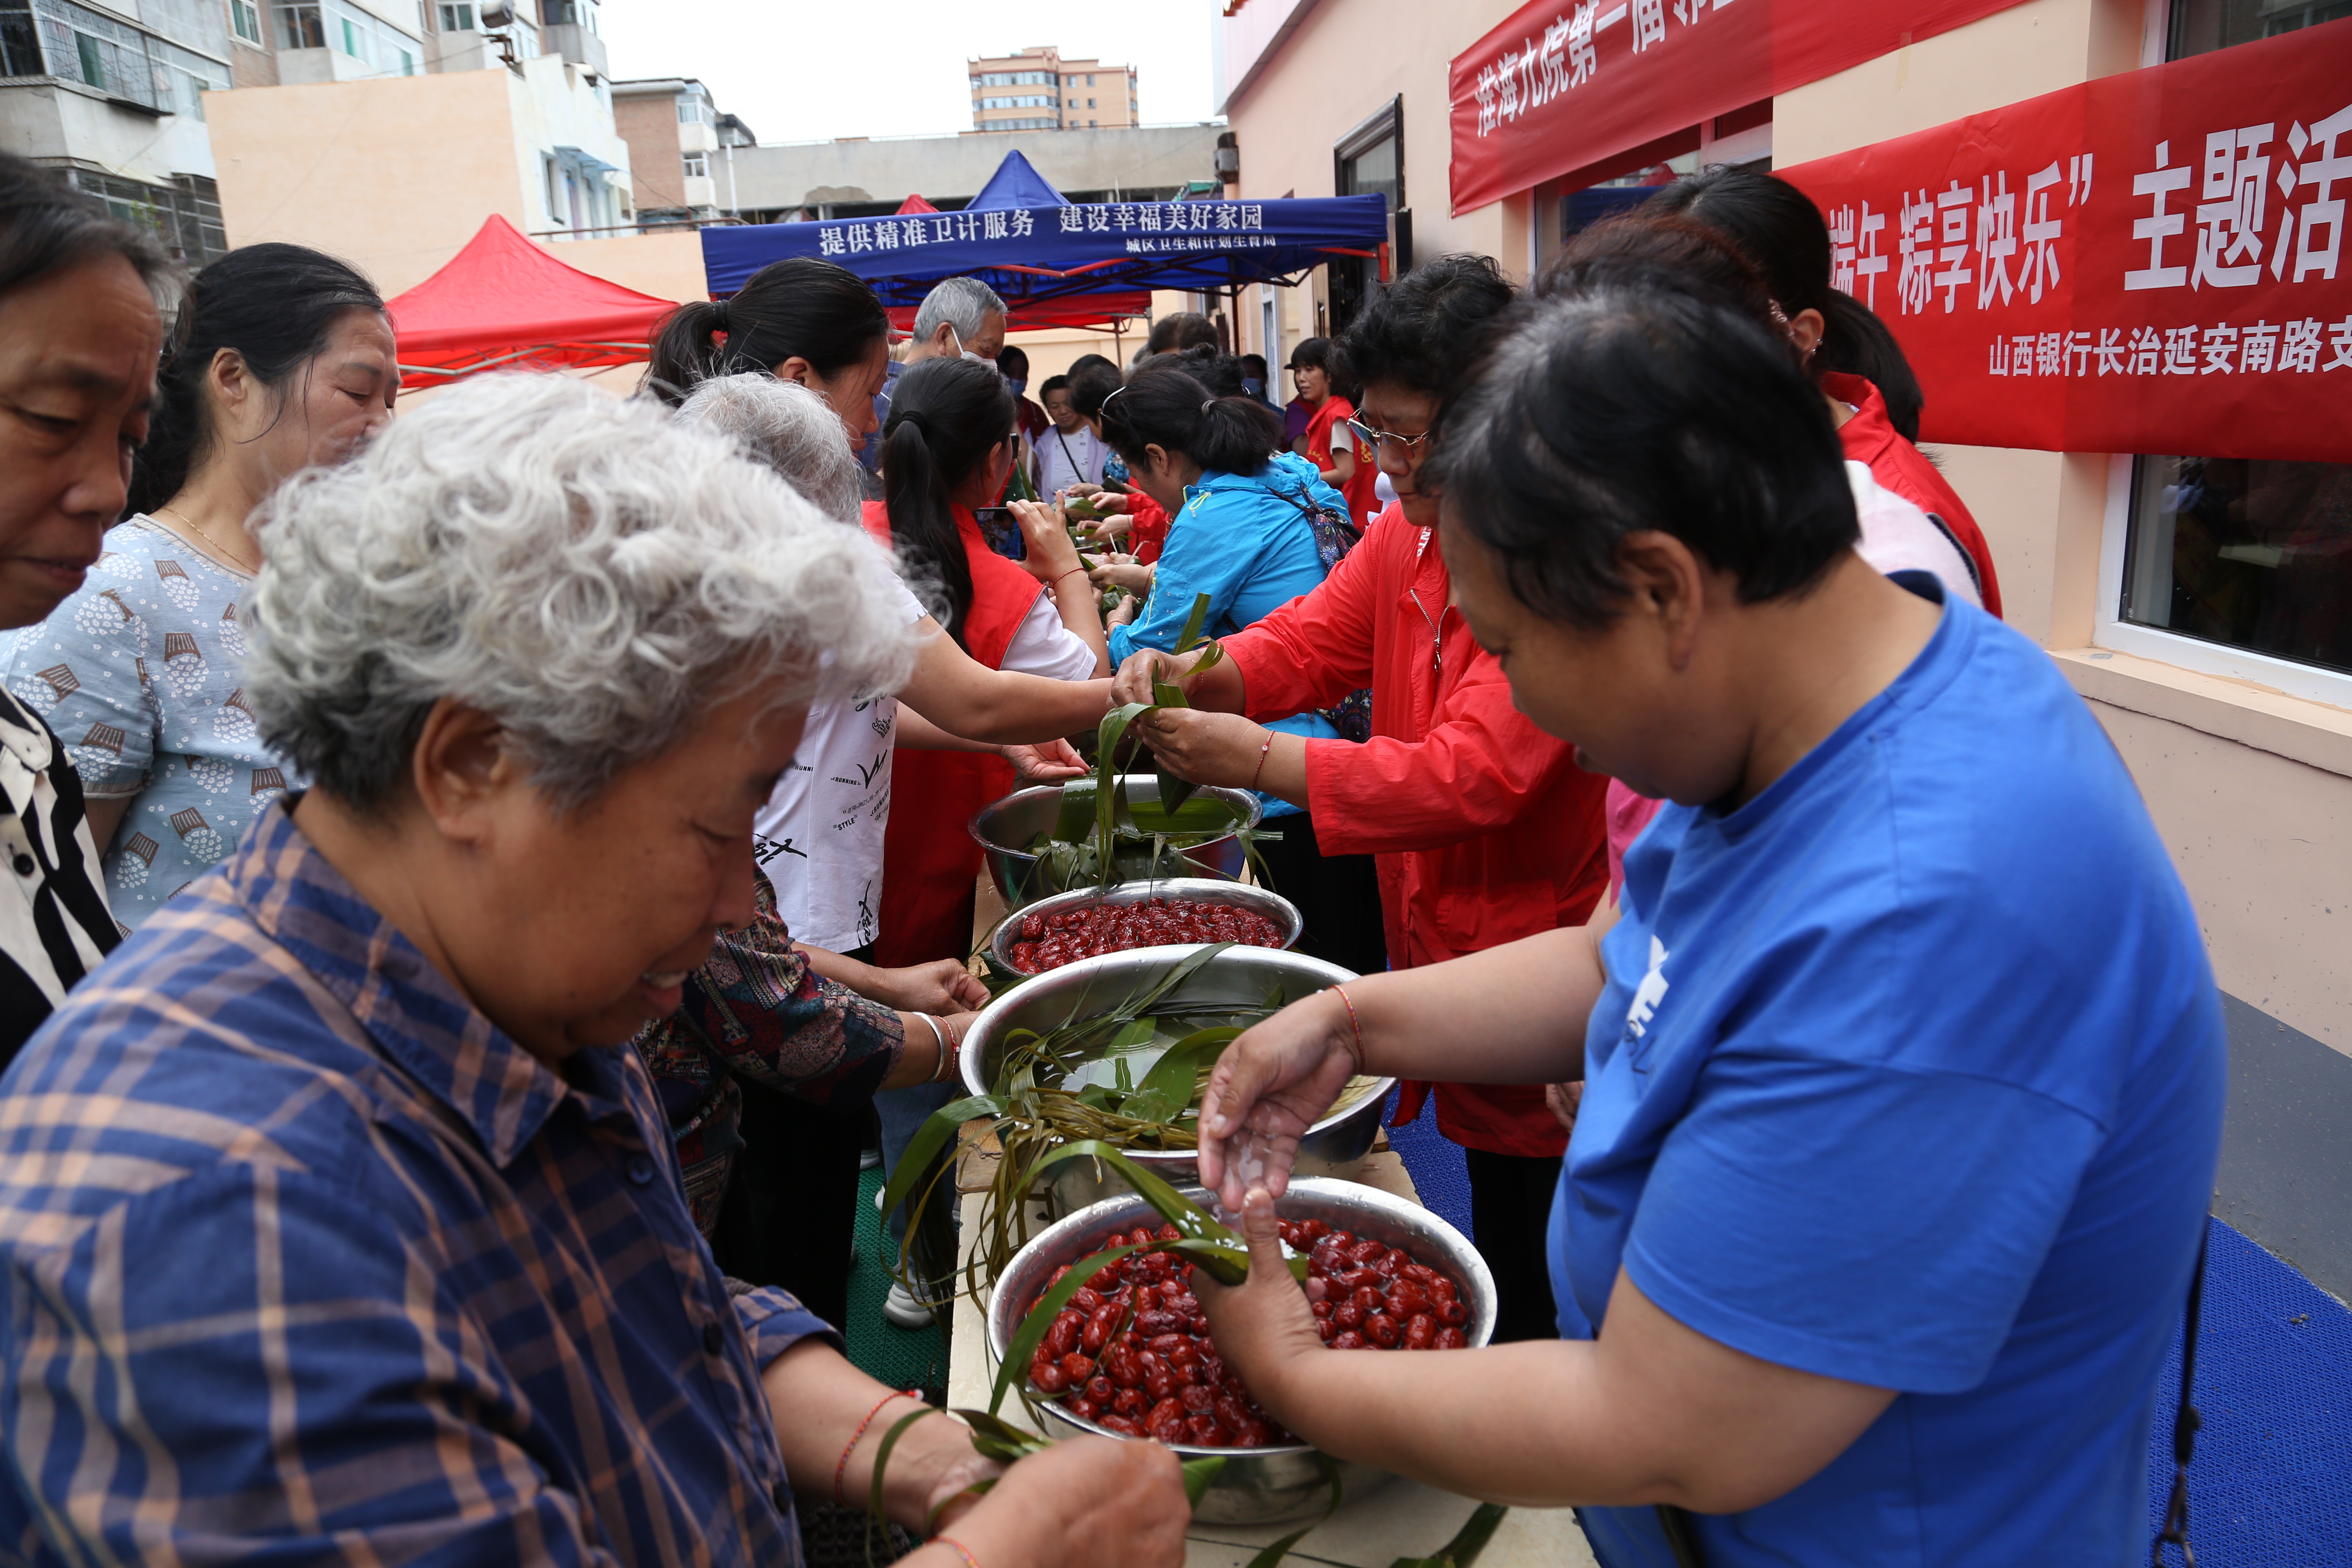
x=79 y=336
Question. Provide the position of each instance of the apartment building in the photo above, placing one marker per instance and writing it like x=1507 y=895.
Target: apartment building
x=114 y=98
x=1037 y=89
x=681 y=149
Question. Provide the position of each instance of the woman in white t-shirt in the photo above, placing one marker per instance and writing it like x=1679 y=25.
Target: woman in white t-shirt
x=1069 y=455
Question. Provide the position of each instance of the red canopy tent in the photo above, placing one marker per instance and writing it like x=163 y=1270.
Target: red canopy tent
x=915 y=204
x=503 y=303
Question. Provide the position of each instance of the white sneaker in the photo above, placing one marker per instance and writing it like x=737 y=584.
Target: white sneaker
x=901 y=1307
x=869 y=1159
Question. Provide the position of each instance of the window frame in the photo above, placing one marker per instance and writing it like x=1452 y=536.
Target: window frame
x=2109 y=630
x=239 y=13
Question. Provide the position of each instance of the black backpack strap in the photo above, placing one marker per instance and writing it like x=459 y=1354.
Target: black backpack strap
x=2185 y=1423
x=1682 y=1536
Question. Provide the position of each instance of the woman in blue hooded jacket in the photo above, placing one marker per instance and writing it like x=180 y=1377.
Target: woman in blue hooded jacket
x=1241 y=531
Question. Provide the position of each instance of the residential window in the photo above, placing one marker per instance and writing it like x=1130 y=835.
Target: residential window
x=2249 y=554
x=1090 y=103
x=457 y=18
x=697 y=166
x=300 y=25
x=1090 y=81
x=692 y=112
x=246 y=18
x=351 y=36
x=407 y=63
x=546 y=180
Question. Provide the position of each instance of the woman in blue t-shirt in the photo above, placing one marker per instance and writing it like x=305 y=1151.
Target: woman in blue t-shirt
x=1241 y=530
x=1903 y=1060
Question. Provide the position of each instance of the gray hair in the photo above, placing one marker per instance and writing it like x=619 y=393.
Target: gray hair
x=788 y=427
x=581 y=569
x=963 y=303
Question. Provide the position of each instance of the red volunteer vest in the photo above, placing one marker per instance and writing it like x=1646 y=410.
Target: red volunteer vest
x=930 y=861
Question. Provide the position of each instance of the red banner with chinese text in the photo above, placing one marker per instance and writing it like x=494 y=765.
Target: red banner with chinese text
x=1564 y=85
x=2126 y=265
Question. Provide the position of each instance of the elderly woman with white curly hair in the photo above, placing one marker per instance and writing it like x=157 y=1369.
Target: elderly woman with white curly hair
x=786 y=1215
x=371 y=1245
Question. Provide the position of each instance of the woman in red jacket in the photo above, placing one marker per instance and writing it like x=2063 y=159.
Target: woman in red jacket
x=1848 y=350
x=1483 y=828
x=947 y=446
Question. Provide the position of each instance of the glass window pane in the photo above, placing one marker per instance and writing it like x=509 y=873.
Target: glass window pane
x=2249 y=552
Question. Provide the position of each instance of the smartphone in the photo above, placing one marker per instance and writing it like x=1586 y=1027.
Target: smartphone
x=1002 y=532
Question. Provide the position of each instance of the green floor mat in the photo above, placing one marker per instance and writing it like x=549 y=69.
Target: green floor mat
x=903 y=1358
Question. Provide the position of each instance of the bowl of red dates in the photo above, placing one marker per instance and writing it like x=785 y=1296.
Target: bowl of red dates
x=1140 y=1362
x=1173 y=911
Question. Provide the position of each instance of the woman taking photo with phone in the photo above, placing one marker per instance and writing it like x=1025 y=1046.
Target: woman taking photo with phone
x=946 y=448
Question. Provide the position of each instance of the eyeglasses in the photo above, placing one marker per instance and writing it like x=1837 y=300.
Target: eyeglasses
x=1376 y=439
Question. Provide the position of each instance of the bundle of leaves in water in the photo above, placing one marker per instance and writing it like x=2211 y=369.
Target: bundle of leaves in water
x=1102 y=838
x=1203 y=1242
x=1075 y=1086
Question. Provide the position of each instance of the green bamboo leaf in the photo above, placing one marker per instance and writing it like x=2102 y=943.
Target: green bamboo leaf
x=1200 y=1475
x=1467 y=1543
x=881 y=1467
x=1192 y=625
x=1018 y=1441
x=1039 y=1318
x=1209 y=660
x=1225 y=1254
x=929 y=1139
x=1166 y=1092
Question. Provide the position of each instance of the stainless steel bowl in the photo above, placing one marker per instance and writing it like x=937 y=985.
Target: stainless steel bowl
x=1175 y=889
x=1007 y=827
x=1258 y=1485
x=1241 y=977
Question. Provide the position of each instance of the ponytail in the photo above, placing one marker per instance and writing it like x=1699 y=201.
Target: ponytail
x=799 y=308
x=1855 y=341
x=687 y=349
x=1163 y=406
x=946 y=416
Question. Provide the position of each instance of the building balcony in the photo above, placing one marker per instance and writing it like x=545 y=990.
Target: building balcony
x=577 y=43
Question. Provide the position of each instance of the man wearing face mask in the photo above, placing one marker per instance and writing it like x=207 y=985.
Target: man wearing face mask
x=959 y=317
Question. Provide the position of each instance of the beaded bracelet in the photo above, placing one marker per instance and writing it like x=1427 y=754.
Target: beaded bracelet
x=957 y=1547
x=840 y=1465
x=1259 y=770
x=1354 y=1024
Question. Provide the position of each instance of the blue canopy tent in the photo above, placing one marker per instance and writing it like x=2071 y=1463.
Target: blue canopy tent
x=1056 y=263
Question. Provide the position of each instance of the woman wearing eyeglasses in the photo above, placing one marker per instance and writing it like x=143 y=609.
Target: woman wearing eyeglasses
x=1483 y=828
x=1242 y=530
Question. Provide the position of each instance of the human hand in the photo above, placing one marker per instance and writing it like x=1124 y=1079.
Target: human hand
x=1265 y=1324
x=1144 y=666
x=1124 y=613
x=939 y=987
x=1125 y=573
x=1050 y=552
x=1564 y=1099
x=1048 y=762
x=1203 y=748
x=1269 y=1087
x=1079 y=1504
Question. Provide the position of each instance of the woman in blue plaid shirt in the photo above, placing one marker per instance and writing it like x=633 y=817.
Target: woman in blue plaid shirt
x=371 y=1245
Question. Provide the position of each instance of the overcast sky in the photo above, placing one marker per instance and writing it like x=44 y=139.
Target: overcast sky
x=807 y=71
